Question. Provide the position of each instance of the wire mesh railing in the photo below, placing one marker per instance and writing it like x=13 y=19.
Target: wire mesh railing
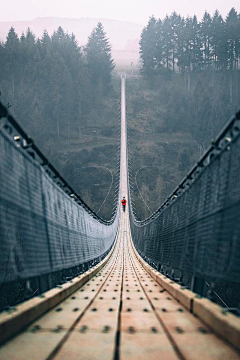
x=194 y=236
x=48 y=234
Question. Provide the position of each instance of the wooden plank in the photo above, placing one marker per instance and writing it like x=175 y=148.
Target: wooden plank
x=111 y=315
x=24 y=314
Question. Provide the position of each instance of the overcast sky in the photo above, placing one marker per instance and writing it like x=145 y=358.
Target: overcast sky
x=127 y=10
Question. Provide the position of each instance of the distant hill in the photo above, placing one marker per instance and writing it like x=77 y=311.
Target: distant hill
x=123 y=36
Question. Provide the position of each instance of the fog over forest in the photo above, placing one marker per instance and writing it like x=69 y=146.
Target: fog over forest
x=63 y=87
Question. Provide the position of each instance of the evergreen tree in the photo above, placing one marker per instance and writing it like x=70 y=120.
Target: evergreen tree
x=219 y=42
x=11 y=61
x=151 y=46
x=45 y=40
x=212 y=44
x=232 y=28
x=188 y=45
x=181 y=45
x=12 y=41
x=206 y=34
x=167 y=47
x=99 y=59
x=175 y=25
x=196 y=45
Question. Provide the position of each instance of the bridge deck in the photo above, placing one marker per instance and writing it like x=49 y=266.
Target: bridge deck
x=121 y=313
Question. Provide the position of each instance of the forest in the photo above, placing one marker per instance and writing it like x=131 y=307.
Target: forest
x=54 y=78
x=187 y=45
x=62 y=94
x=67 y=98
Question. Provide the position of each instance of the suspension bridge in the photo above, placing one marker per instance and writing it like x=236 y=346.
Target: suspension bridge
x=118 y=289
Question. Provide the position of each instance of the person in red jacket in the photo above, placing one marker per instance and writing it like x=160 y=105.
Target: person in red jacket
x=124 y=203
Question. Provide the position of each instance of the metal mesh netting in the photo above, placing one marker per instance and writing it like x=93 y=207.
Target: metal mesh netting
x=42 y=228
x=197 y=230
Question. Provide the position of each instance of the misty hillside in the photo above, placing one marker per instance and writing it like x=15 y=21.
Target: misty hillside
x=123 y=36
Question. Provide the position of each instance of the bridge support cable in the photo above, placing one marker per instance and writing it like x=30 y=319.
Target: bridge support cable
x=125 y=310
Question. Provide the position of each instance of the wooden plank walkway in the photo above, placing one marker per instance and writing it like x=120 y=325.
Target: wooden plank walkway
x=117 y=311
x=120 y=313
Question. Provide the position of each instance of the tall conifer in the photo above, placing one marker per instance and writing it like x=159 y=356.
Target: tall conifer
x=99 y=59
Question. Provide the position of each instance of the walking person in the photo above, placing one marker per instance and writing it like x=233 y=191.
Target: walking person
x=124 y=203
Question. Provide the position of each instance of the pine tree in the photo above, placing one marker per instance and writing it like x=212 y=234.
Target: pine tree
x=181 y=45
x=219 y=42
x=12 y=41
x=196 y=45
x=158 y=54
x=205 y=29
x=168 y=41
x=232 y=28
x=12 y=65
x=151 y=47
x=99 y=59
x=175 y=25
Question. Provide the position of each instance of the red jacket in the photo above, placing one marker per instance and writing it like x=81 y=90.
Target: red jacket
x=124 y=202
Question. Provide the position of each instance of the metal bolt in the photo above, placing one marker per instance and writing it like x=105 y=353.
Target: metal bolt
x=58 y=329
x=35 y=328
x=83 y=329
x=202 y=330
x=131 y=329
x=106 y=329
x=179 y=329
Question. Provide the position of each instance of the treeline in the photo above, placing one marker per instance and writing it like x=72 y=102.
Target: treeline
x=51 y=83
x=187 y=45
